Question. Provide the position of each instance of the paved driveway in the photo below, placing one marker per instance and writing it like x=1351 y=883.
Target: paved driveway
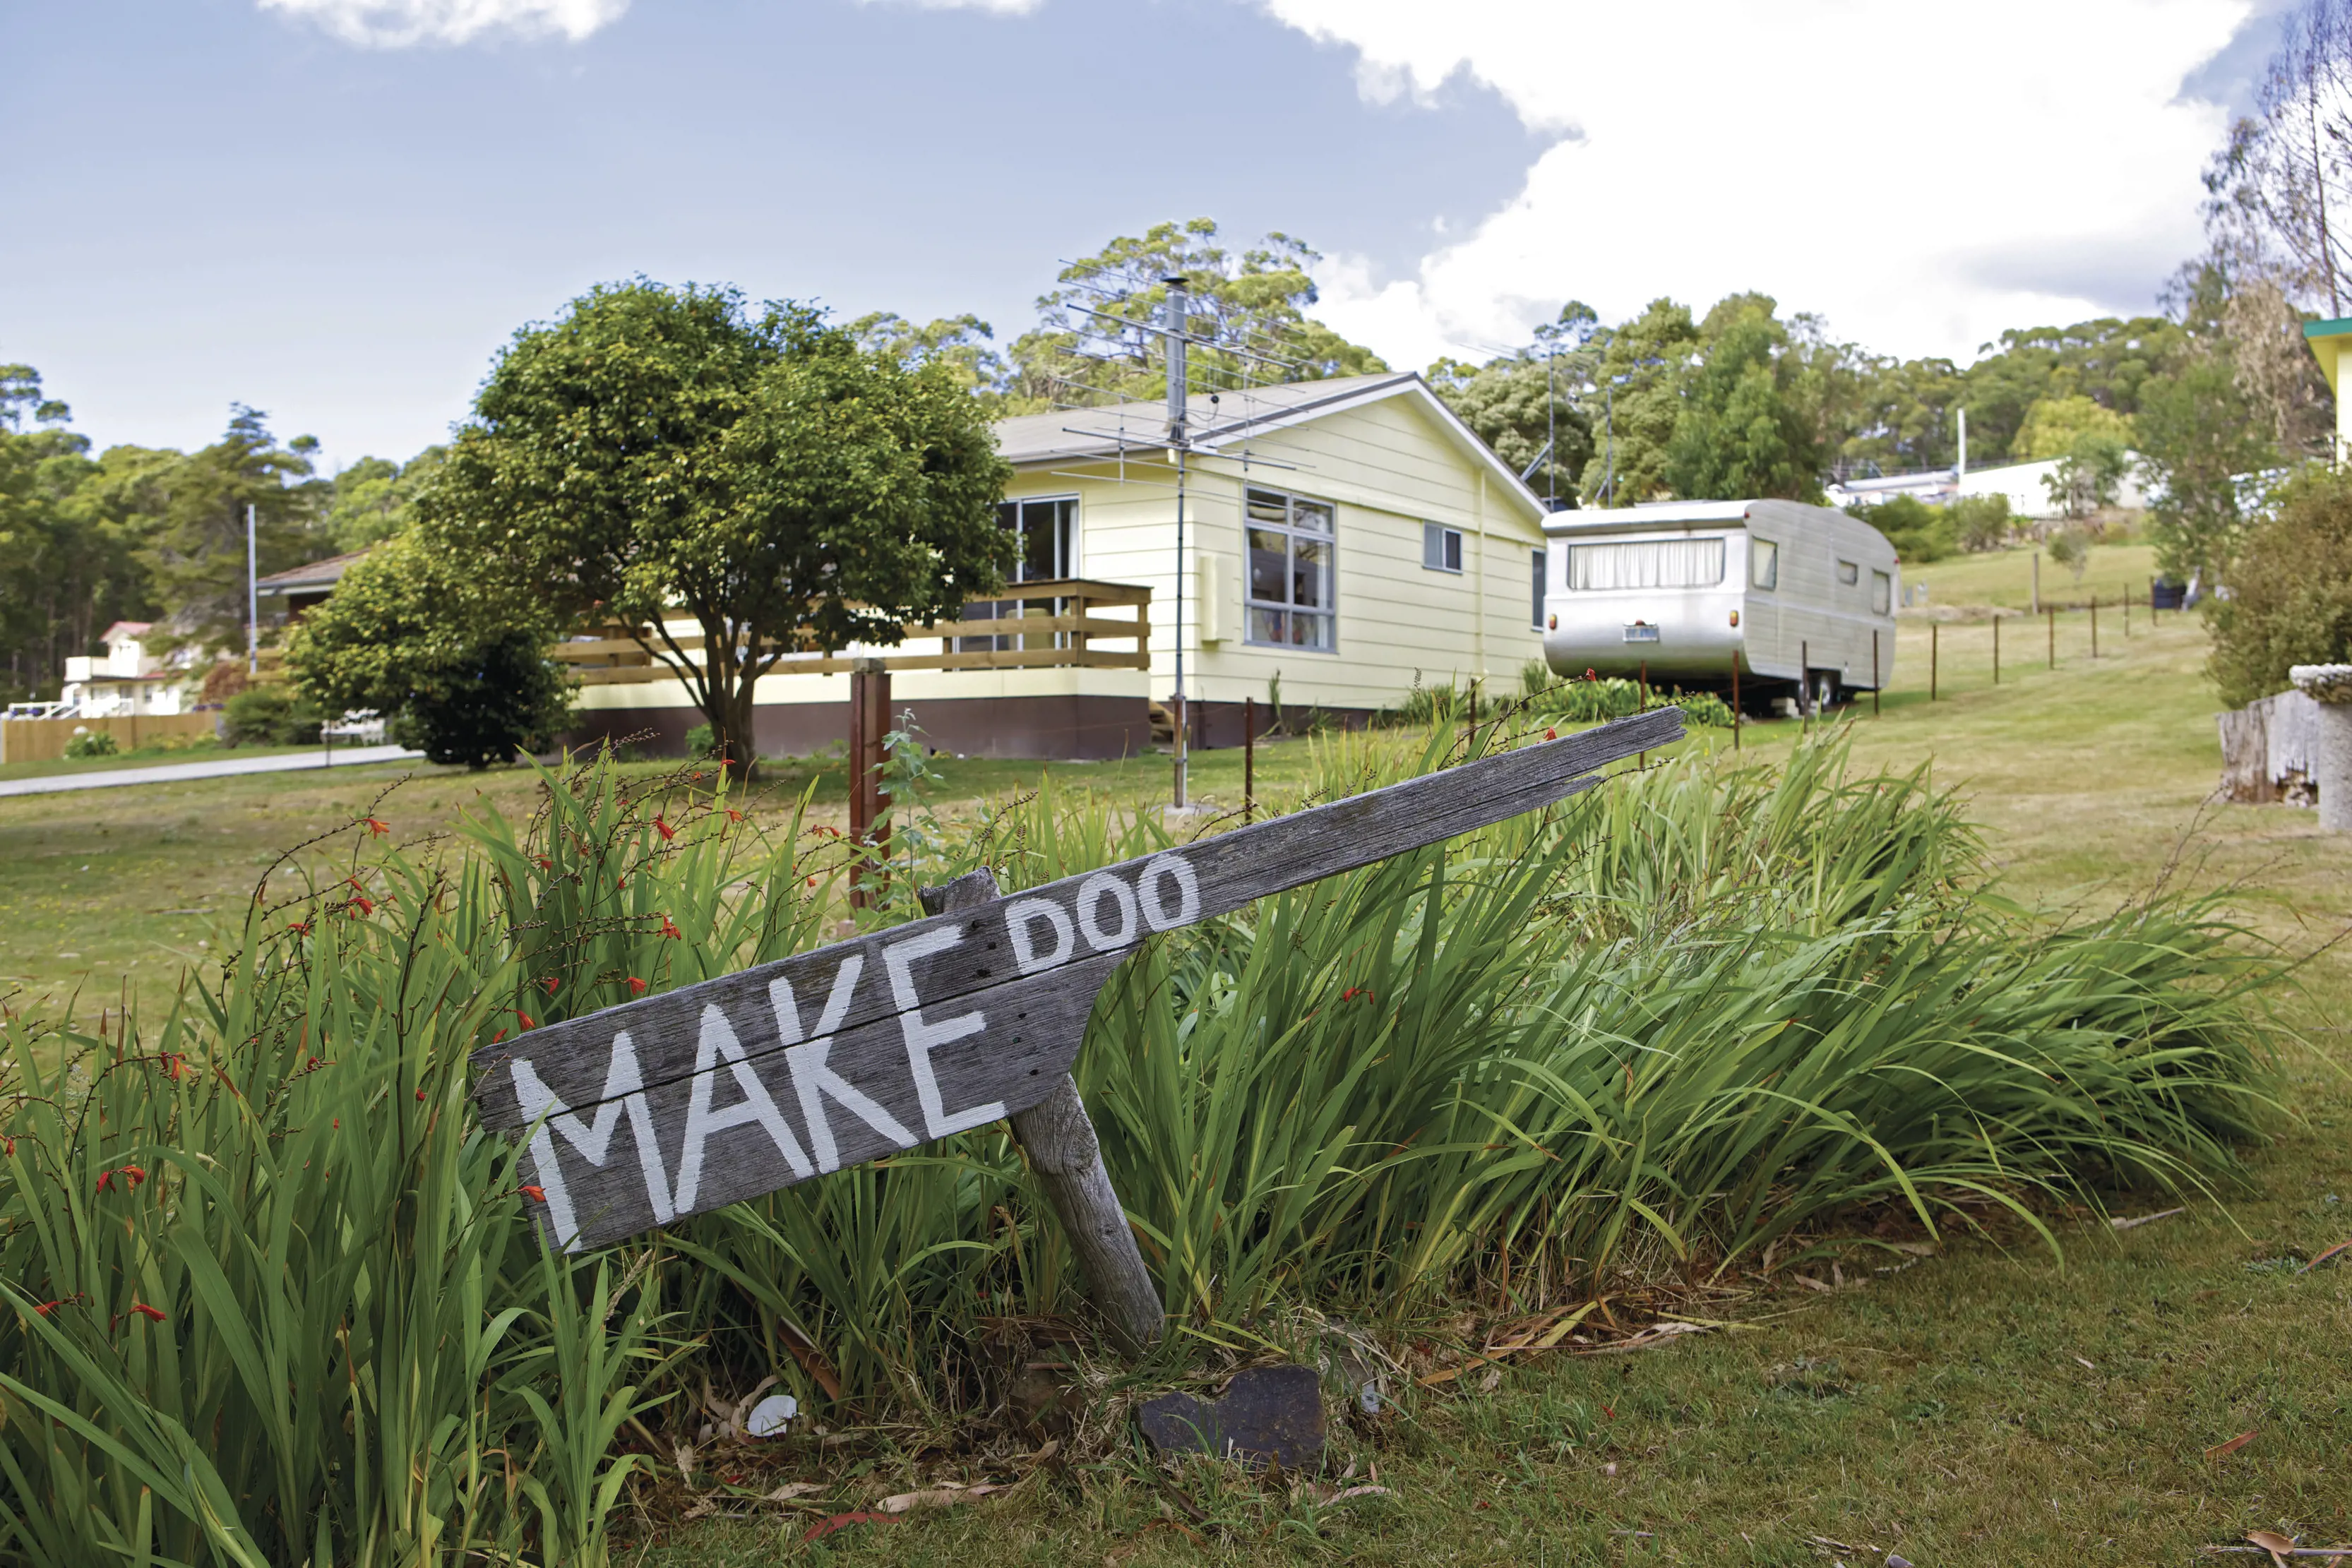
x=227 y=768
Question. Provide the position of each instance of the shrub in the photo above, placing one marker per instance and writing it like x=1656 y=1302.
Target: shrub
x=484 y=703
x=1981 y=522
x=91 y=743
x=274 y=715
x=2070 y=546
x=2290 y=591
x=1918 y=531
x=700 y=739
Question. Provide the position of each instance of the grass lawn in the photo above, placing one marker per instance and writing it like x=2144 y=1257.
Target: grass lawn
x=2005 y=577
x=1988 y=1405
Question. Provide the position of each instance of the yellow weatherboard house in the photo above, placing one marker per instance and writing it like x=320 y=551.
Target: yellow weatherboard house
x=2327 y=340
x=1351 y=536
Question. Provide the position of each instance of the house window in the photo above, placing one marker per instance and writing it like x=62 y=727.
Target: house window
x=1441 y=547
x=1291 y=571
x=1848 y=573
x=1646 y=563
x=1764 y=564
x=1541 y=558
x=1047 y=534
x=1882 y=592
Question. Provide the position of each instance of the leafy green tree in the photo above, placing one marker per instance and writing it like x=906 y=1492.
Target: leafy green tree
x=1098 y=336
x=964 y=346
x=1981 y=522
x=1900 y=415
x=2108 y=361
x=655 y=453
x=196 y=546
x=2056 y=426
x=1745 y=428
x=2291 y=590
x=1519 y=402
x=2090 y=476
x=374 y=498
x=2200 y=443
x=1637 y=396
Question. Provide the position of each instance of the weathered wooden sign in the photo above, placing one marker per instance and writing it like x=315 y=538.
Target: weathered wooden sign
x=643 y=1114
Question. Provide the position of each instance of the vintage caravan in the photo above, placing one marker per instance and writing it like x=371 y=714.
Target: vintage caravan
x=1684 y=588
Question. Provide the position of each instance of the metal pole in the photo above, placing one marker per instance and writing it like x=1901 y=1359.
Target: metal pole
x=1935 y=644
x=1249 y=760
x=1609 y=439
x=1178 y=330
x=252 y=600
x=1551 y=433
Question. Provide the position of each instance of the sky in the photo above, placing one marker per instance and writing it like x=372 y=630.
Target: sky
x=336 y=211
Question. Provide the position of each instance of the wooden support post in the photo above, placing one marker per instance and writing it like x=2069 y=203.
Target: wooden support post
x=1996 y=647
x=1804 y=687
x=1935 y=646
x=1060 y=1142
x=2051 y=614
x=1874 y=672
x=1734 y=700
x=2095 y=625
x=1249 y=760
x=869 y=721
x=2126 y=614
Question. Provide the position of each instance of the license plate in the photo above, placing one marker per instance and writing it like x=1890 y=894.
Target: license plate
x=1641 y=633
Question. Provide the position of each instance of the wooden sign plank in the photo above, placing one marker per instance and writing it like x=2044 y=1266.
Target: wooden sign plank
x=645 y=1113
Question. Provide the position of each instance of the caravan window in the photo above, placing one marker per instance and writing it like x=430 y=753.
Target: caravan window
x=1764 y=564
x=1646 y=563
x=1882 y=592
x=1849 y=573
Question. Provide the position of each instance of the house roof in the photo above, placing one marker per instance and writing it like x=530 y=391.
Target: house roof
x=1217 y=421
x=309 y=579
x=127 y=628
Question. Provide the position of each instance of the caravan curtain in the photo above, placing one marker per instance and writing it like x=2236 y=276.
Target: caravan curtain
x=1646 y=563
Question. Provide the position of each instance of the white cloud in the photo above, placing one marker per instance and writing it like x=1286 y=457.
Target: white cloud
x=396 y=24
x=1921 y=177
x=994 y=8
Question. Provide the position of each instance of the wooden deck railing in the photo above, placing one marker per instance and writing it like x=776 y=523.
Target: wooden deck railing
x=1035 y=625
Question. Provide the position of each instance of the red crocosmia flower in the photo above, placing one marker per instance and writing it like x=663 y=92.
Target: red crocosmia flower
x=152 y=1314
x=536 y=1194
x=696 y=776
x=1590 y=676
x=661 y=826
x=636 y=987
x=420 y=1093
x=134 y=1175
x=105 y=1180
x=494 y=1040
x=46 y=1308
x=620 y=885
x=549 y=985
x=1551 y=735
x=301 y=928
x=733 y=815
x=364 y=903
x=526 y=1018
x=544 y=863
x=377 y=827
x=669 y=927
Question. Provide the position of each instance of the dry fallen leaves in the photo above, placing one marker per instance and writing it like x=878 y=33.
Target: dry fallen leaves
x=2332 y=1253
x=832 y=1523
x=2272 y=1541
x=2220 y=1450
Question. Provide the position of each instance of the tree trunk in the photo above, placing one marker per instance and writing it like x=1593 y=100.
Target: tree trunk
x=730 y=713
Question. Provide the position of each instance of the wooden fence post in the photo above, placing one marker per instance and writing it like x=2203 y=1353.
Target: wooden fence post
x=1935 y=644
x=1804 y=686
x=2095 y=625
x=2050 y=614
x=1249 y=760
x=1063 y=1150
x=1735 y=699
x=869 y=721
x=1874 y=672
x=1996 y=647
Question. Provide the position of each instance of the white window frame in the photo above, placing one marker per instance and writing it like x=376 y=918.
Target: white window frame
x=1441 y=548
x=1328 y=538
x=1012 y=608
x=1763 y=564
x=1882 y=592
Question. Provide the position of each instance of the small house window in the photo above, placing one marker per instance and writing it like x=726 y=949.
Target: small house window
x=1542 y=558
x=1848 y=573
x=1882 y=592
x=1441 y=547
x=1292 y=573
x=1764 y=564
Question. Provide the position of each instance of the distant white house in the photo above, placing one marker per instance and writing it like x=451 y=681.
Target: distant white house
x=2027 y=486
x=126 y=680
x=1933 y=485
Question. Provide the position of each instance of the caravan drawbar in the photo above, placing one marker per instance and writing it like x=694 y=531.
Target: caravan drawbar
x=1683 y=588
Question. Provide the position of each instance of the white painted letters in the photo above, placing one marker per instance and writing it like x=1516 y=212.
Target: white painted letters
x=1188 y=893
x=1020 y=916
x=546 y=1115
x=923 y=1037
x=1091 y=893
x=718 y=1044
x=812 y=1076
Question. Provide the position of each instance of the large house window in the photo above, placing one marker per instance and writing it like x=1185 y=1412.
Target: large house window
x=1291 y=571
x=1542 y=558
x=1646 y=563
x=1047 y=531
